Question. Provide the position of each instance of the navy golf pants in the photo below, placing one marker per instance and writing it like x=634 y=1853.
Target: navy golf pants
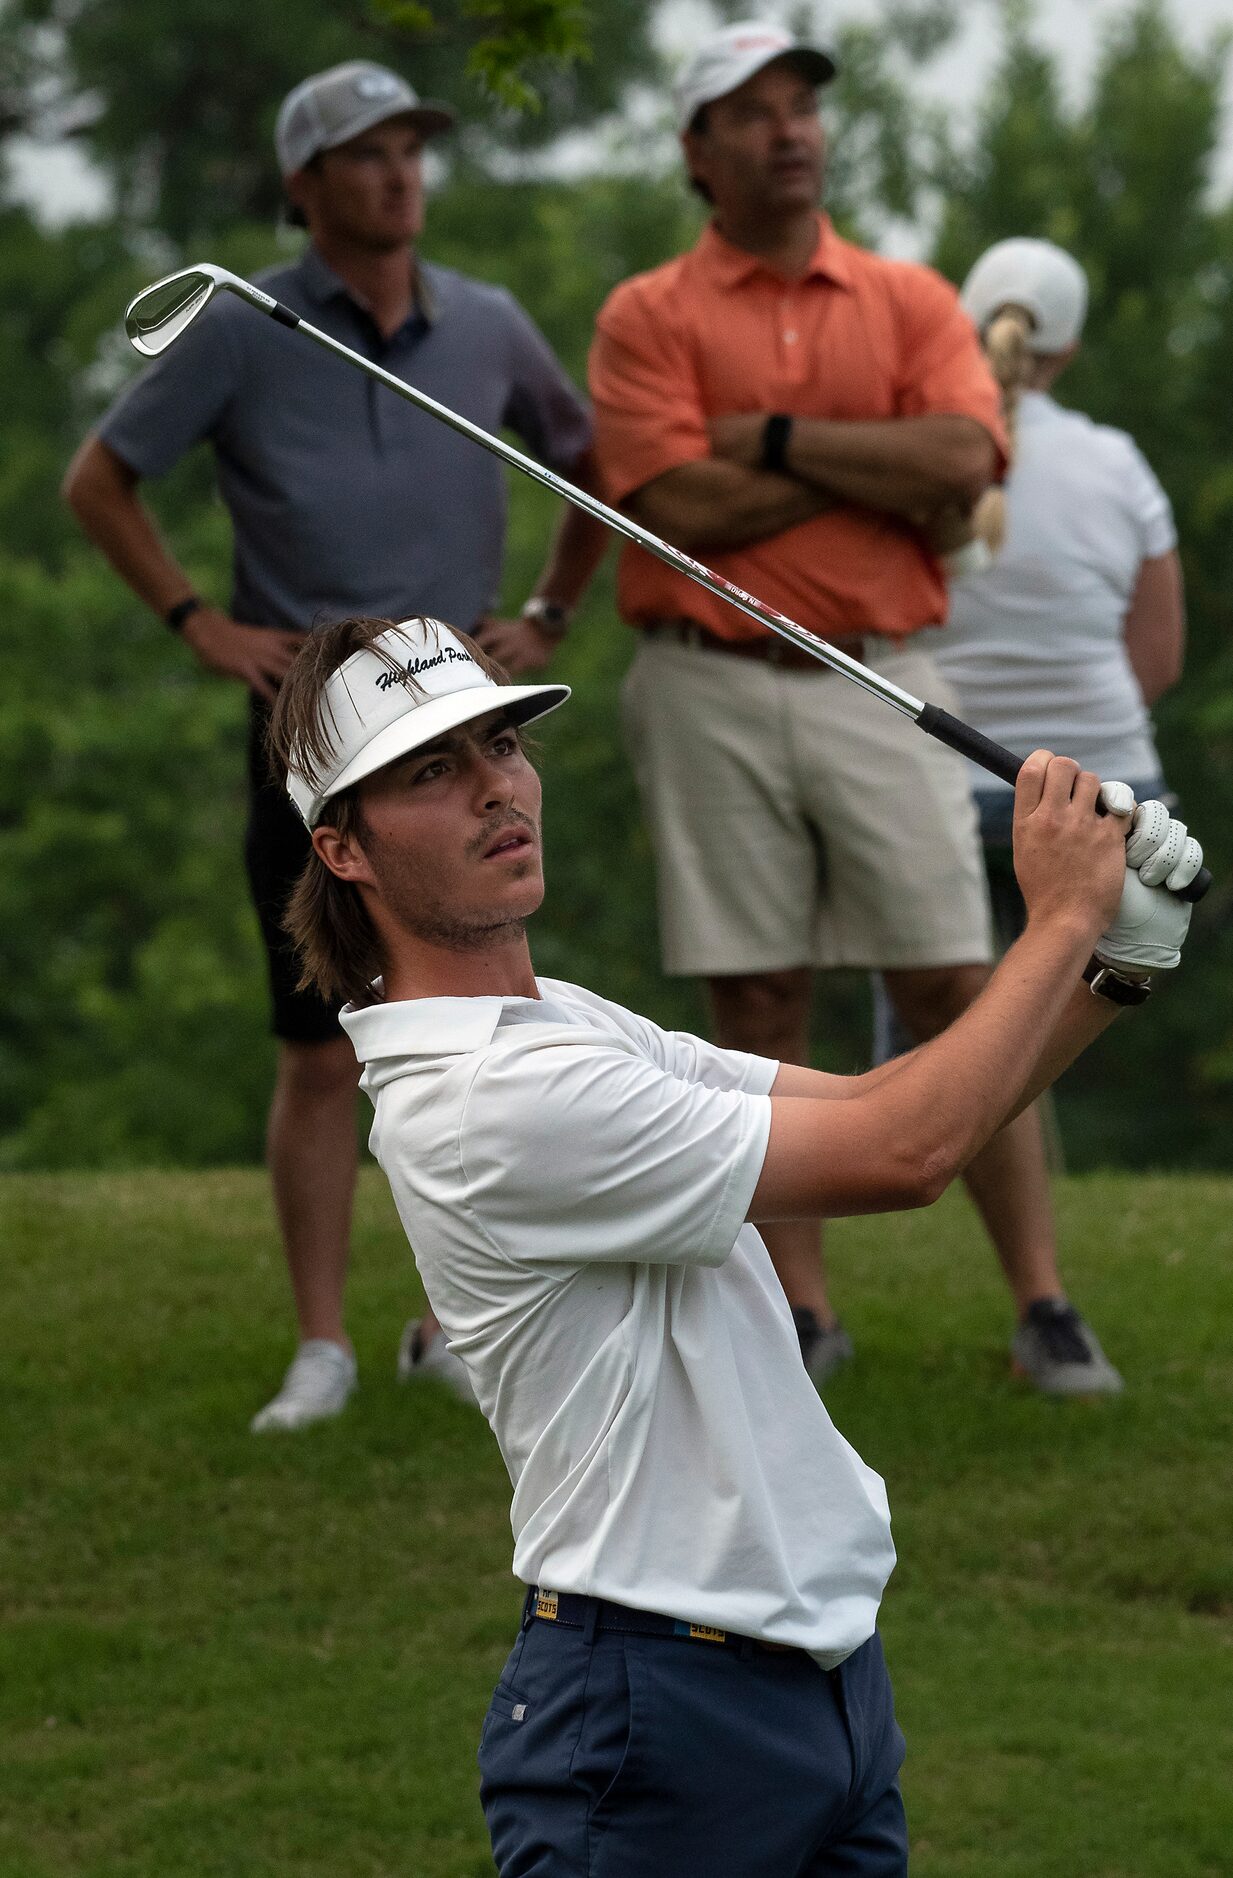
x=649 y=1757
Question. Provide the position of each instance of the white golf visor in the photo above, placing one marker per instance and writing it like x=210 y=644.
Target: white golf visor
x=413 y=684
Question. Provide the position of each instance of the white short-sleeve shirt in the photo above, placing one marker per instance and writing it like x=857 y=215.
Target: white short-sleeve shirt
x=1034 y=643
x=574 y=1182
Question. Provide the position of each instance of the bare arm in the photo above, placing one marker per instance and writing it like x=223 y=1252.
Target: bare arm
x=1083 y=1019
x=1155 y=626
x=712 y=503
x=912 y=1126
x=907 y=466
x=579 y=544
x=576 y=550
x=101 y=489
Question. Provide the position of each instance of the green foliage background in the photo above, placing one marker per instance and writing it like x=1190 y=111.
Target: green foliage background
x=132 y=1026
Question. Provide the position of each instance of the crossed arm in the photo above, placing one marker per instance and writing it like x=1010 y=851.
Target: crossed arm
x=912 y=467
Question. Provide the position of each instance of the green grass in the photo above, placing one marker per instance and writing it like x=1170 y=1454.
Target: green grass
x=228 y=1656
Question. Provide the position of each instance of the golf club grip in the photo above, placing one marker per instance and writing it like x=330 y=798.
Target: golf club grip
x=1001 y=762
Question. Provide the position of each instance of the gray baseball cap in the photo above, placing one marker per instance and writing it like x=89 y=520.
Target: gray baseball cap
x=332 y=107
x=725 y=60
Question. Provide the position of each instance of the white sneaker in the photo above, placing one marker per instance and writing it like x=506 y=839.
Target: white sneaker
x=316 y=1387
x=434 y=1358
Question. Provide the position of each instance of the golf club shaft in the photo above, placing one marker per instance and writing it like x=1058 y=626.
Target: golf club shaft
x=936 y=722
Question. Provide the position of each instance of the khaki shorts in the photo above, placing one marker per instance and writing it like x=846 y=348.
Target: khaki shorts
x=798 y=821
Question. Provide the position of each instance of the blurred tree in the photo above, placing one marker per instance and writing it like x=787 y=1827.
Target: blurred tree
x=180 y=110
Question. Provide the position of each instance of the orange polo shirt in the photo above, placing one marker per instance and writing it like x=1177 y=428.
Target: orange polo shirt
x=717 y=331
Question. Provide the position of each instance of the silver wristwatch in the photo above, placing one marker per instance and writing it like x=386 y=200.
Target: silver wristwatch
x=548 y=617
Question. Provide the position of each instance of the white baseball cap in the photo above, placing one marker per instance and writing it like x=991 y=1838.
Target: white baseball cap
x=1036 y=275
x=725 y=60
x=332 y=107
x=413 y=684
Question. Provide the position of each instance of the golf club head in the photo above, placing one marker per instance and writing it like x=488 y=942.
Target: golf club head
x=160 y=313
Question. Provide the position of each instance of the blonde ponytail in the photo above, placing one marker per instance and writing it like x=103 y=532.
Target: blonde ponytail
x=1006 y=343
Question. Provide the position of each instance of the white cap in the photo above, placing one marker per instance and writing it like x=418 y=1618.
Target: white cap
x=413 y=684
x=725 y=60
x=332 y=107
x=1036 y=275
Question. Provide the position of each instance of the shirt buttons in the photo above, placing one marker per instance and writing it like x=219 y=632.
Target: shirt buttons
x=789 y=337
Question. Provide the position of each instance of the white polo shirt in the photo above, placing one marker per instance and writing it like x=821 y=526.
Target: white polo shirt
x=574 y=1182
x=1034 y=644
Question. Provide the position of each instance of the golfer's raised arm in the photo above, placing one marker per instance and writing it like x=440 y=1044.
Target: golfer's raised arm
x=907 y=1130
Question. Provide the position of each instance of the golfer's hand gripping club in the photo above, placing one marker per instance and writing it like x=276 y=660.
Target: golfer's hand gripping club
x=159 y=314
x=1187 y=882
x=1161 y=859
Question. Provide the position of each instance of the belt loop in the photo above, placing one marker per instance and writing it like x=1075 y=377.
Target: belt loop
x=591 y=1622
x=528 y=1608
x=745 y=1649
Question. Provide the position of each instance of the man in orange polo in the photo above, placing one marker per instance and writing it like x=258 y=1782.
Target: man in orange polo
x=804 y=416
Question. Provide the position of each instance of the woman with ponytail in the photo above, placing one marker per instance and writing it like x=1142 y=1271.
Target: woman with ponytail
x=1066 y=623
x=1067 y=619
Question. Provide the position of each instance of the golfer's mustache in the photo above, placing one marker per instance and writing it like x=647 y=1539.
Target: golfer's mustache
x=508 y=818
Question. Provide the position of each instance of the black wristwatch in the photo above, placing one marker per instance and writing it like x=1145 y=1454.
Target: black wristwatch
x=176 y=615
x=1105 y=981
x=776 y=433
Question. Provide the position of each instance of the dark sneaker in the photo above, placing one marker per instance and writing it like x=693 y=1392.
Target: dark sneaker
x=1058 y=1353
x=822 y=1351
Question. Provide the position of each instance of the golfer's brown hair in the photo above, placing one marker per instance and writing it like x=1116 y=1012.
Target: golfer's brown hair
x=326 y=919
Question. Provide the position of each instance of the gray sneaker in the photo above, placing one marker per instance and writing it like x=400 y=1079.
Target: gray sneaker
x=419 y=1356
x=823 y=1351
x=1058 y=1353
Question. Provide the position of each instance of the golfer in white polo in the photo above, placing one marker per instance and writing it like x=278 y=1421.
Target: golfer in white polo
x=698 y=1685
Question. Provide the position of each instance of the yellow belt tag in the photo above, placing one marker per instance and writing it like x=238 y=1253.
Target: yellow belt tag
x=704 y=1634
x=546 y=1605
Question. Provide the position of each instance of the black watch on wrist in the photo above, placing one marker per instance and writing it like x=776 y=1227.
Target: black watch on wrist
x=776 y=433
x=176 y=615
x=1105 y=981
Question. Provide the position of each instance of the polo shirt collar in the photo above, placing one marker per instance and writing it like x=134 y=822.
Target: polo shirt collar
x=423 y=1026
x=729 y=265
x=322 y=284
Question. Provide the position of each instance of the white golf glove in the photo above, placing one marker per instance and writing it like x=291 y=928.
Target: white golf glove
x=1161 y=857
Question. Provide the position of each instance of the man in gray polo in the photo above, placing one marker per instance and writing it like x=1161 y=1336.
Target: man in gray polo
x=343 y=500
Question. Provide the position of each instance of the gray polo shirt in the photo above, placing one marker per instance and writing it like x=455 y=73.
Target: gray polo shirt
x=344 y=498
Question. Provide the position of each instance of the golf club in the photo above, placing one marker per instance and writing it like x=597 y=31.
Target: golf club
x=159 y=314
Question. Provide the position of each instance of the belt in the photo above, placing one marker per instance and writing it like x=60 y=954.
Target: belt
x=769 y=650
x=575 y=1612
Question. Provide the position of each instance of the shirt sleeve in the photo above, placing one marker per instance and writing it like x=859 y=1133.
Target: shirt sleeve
x=583 y=1152
x=649 y=414
x=943 y=370
x=1149 y=505
x=694 y=1060
x=544 y=407
x=178 y=400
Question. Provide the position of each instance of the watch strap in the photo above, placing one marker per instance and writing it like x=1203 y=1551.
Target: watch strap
x=176 y=615
x=776 y=433
x=1105 y=981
